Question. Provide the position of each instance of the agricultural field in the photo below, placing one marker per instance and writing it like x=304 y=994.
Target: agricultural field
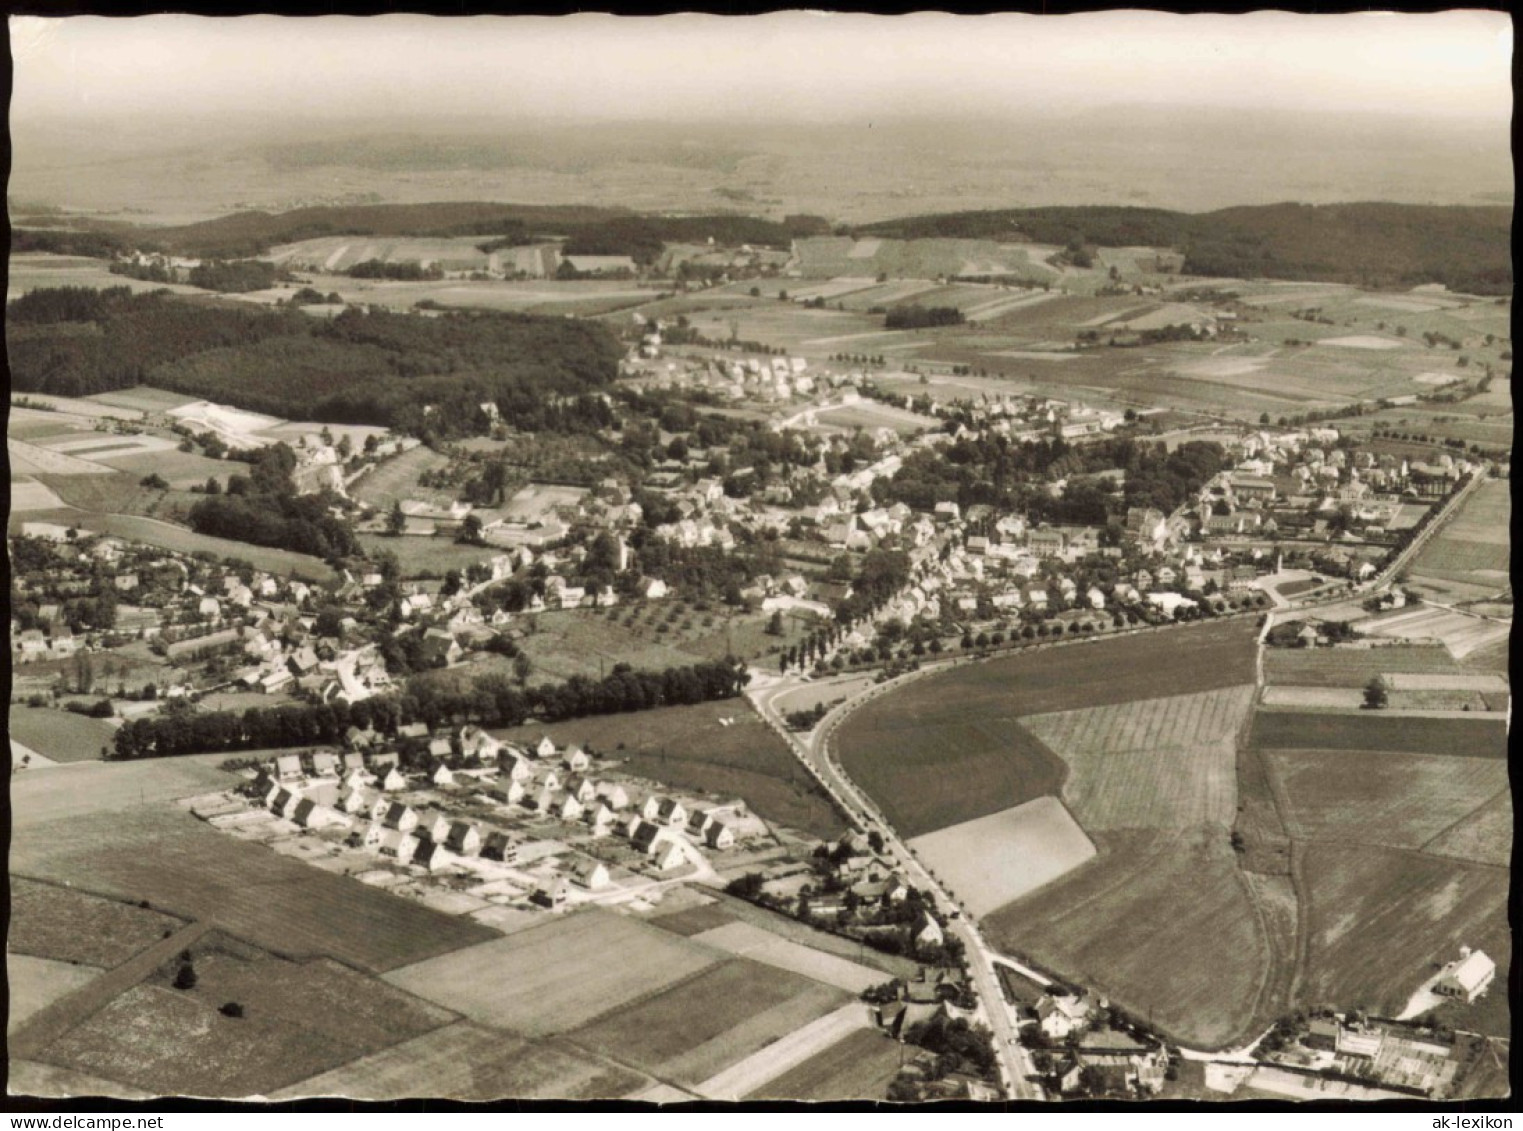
x=396 y=478
x=470 y=1063
x=1354 y=667
x=1381 y=919
x=61 y=736
x=71 y=926
x=297 y=1017
x=31 y=270
x=948 y=748
x=1473 y=547
x=185 y=868
x=706 y=1024
x=562 y=977
x=858 y=1066
x=765 y=921
x=1370 y=730
x=1378 y=797
x=1162 y=923
x=690 y=921
x=1158 y=763
x=760 y=945
x=1459 y=632
x=689 y=748
x=988 y=862
x=36 y=983
x=1484 y=836
x=89 y=788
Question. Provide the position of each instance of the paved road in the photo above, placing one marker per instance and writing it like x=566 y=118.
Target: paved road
x=813 y=750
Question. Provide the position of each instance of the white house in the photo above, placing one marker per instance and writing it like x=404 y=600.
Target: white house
x=1468 y=977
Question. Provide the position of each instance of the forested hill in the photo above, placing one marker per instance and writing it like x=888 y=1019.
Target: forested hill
x=1378 y=245
x=421 y=374
x=592 y=230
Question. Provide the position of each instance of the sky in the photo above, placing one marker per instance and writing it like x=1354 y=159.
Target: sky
x=782 y=67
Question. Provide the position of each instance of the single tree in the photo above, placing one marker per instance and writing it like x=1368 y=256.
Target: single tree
x=396 y=521
x=1375 y=694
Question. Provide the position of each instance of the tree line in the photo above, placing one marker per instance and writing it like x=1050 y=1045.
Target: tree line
x=489 y=700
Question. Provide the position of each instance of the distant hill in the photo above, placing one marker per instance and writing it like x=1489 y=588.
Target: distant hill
x=593 y=230
x=1381 y=245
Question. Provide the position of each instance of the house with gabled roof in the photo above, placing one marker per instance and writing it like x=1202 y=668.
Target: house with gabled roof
x=601 y=818
x=400 y=817
x=433 y=855
x=464 y=838
x=442 y=775
x=576 y=760
x=551 y=893
x=644 y=835
x=353 y=800
x=664 y=809
x=432 y=825
x=564 y=806
x=697 y=821
x=719 y=835
x=398 y=844
x=545 y=748
x=380 y=760
x=393 y=780
x=288 y=767
x=590 y=874
x=324 y=764
x=1061 y=1014
x=1468 y=977
x=353 y=762
x=580 y=788
x=413 y=730
x=498 y=846
x=511 y=766
x=369 y=836
x=613 y=795
x=667 y=856
x=509 y=792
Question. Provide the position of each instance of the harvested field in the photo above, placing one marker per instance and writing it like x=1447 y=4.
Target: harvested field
x=749 y=941
x=1381 y=798
x=686 y=748
x=988 y=862
x=1381 y=918
x=706 y=1024
x=36 y=983
x=469 y=1063
x=562 y=976
x=1354 y=667
x=62 y=736
x=1484 y=836
x=1162 y=923
x=73 y=926
x=947 y=748
x=298 y=1016
x=857 y=1067
x=1370 y=730
x=1446 y=554
x=1164 y=763
x=184 y=867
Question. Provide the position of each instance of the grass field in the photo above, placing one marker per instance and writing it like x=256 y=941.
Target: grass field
x=694 y=920
x=89 y=788
x=563 y=974
x=1484 y=836
x=470 y=1063
x=396 y=479
x=687 y=748
x=297 y=1017
x=1381 y=798
x=791 y=930
x=60 y=735
x=1353 y=667
x=857 y=1067
x=184 y=867
x=1370 y=730
x=419 y=557
x=1158 y=763
x=948 y=748
x=991 y=861
x=707 y=1023
x=1381 y=919
x=36 y=983
x=61 y=923
x=1161 y=923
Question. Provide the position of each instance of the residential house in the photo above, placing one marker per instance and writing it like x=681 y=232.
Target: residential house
x=433 y=855
x=719 y=835
x=576 y=760
x=393 y=780
x=398 y=844
x=324 y=764
x=442 y=775
x=590 y=874
x=400 y=817
x=288 y=767
x=1061 y=1014
x=432 y=825
x=928 y=932
x=464 y=839
x=668 y=856
x=497 y=846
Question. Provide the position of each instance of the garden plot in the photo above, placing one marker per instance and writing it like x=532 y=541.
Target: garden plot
x=991 y=861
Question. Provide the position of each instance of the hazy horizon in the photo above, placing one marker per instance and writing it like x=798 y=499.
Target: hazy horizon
x=778 y=67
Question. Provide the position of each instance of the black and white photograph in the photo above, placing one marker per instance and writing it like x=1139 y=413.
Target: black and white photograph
x=806 y=557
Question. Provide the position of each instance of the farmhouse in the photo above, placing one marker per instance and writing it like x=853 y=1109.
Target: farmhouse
x=1468 y=977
